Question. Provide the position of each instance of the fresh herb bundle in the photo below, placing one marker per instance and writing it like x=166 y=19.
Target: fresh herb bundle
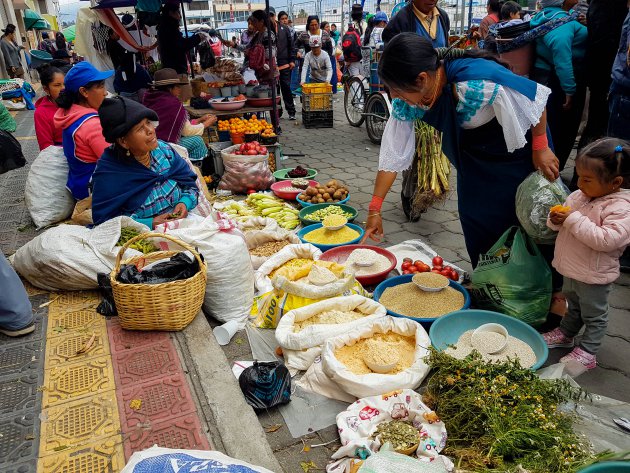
x=502 y=417
x=142 y=245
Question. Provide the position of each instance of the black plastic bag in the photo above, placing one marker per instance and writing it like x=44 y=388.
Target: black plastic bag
x=178 y=267
x=11 y=156
x=266 y=384
x=107 y=307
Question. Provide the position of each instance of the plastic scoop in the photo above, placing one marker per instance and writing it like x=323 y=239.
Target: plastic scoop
x=417 y=280
x=335 y=227
x=381 y=368
x=478 y=342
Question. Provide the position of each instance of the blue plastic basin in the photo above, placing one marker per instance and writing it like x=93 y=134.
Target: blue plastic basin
x=406 y=278
x=607 y=467
x=447 y=329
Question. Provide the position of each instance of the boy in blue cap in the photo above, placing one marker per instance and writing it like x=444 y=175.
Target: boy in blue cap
x=380 y=22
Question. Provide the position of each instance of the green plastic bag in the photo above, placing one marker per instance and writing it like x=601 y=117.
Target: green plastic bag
x=513 y=278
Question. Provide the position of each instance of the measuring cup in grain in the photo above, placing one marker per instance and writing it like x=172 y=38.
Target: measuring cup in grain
x=489 y=338
x=334 y=222
x=430 y=282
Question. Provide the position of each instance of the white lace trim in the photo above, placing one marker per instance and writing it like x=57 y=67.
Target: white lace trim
x=517 y=114
x=398 y=146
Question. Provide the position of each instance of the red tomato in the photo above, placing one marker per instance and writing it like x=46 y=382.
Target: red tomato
x=446 y=273
x=252 y=152
x=435 y=271
x=438 y=261
x=263 y=150
x=237 y=152
x=439 y=268
x=251 y=191
x=454 y=275
x=405 y=260
x=406 y=271
x=425 y=268
x=255 y=143
x=414 y=270
x=418 y=264
x=448 y=267
x=406 y=265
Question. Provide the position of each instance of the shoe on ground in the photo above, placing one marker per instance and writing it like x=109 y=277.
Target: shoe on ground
x=292 y=117
x=557 y=339
x=19 y=332
x=584 y=358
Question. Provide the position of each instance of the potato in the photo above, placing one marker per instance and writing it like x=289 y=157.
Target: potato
x=311 y=191
x=320 y=200
x=326 y=196
x=337 y=195
x=331 y=183
x=329 y=200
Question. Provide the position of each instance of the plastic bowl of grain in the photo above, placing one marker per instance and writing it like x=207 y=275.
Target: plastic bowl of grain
x=407 y=279
x=341 y=253
x=325 y=247
x=446 y=330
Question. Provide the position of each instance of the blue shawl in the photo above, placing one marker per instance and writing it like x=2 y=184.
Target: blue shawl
x=442 y=115
x=121 y=186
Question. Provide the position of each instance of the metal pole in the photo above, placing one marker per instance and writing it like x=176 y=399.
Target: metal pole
x=192 y=71
x=343 y=17
x=469 y=14
x=463 y=16
x=274 y=105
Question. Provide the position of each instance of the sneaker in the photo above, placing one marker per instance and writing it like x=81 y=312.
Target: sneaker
x=557 y=339
x=292 y=117
x=580 y=356
x=18 y=333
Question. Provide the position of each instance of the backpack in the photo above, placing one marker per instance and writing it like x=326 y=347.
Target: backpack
x=351 y=46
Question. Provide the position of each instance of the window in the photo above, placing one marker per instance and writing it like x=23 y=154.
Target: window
x=203 y=5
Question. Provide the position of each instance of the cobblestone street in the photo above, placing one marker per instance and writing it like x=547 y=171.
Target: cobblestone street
x=341 y=152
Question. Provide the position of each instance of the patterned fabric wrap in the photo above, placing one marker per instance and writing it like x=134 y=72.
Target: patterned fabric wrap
x=535 y=33
x=165 y=195
x=196 y=147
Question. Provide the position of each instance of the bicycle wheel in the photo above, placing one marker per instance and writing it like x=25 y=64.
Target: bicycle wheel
x=354 y=101
x=376 y=116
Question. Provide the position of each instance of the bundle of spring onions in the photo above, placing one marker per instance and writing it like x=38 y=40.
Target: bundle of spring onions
x=433 y=167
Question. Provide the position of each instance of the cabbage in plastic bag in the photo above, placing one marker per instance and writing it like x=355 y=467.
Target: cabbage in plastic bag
x=534 y=197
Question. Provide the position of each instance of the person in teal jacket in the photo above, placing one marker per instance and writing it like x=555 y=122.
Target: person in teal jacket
x=559 y=54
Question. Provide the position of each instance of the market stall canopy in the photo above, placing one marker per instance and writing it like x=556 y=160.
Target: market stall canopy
x=33 y=20
x=70 y=33
x=237 y=25
x=54 y=25
x=123 y=3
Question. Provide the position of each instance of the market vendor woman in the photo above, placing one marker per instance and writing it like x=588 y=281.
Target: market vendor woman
x=139 y=175
x=494 y=132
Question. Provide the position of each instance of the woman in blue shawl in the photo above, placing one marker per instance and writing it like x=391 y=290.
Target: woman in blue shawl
x=139 y=175
x=493 y=124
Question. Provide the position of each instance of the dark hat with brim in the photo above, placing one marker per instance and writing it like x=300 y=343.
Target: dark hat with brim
x=119 y=115
x=169 y=76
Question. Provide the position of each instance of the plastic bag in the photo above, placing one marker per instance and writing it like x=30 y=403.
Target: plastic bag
x=243 y=173
x=107 y=306
x=162 y=460
x=513 y=278
x=178 y=267
x=46 y=196
x=11 y=156
x=534 y=197
x=266 y=384
x=301 y=348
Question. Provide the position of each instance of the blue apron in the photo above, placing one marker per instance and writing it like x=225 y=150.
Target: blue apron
x=80 y=172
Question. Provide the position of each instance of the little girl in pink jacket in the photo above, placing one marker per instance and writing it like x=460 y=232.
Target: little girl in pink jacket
x=592 y=235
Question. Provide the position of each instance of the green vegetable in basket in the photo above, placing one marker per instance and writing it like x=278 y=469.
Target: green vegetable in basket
x=142 y=245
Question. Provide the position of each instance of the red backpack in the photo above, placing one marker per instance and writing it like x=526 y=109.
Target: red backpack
x=351 y=46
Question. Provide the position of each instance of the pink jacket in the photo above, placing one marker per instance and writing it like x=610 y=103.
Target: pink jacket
x=89 y=139
x=593 y=237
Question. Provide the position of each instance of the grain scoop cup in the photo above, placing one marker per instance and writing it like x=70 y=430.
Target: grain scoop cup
x=489 y=338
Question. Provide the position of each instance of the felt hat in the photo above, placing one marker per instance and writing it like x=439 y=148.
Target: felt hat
x=119 y=115
x=168 y=76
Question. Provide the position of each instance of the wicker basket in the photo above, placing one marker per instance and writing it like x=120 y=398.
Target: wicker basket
x=167 y=306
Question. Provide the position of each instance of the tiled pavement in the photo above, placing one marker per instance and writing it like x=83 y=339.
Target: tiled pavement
x=134 y=360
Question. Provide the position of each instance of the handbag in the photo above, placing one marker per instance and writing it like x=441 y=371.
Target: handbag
x=256 y=57
x=11 y=156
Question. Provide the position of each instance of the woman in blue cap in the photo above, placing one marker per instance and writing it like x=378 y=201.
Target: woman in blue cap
x=77 y=117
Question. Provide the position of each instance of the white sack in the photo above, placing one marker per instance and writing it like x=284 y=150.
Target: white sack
x=167 y=460
x=46 y=196
x=256 y=238
x=374 y=384
x=360 y=419
x=230 y=285
x=69 y=257
x=262 y=280
x=204 y=207
x=301 y=348
x=258 y=223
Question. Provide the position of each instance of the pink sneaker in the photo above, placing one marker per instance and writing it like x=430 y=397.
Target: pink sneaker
x=557 y=339
x=580 y=356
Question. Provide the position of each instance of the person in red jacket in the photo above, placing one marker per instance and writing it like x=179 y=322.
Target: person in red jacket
x=45 y=108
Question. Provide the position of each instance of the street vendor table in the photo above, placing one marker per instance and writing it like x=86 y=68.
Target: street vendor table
x=199 y=112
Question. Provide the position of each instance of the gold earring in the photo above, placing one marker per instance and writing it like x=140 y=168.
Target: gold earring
x=128 y=153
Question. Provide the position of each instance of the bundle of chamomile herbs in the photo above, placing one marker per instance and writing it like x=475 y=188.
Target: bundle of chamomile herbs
x=502 y=417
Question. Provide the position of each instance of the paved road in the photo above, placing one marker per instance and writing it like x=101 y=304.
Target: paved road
x=345 y=153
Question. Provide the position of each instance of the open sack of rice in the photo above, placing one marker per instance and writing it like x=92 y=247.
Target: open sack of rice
x=302 y=332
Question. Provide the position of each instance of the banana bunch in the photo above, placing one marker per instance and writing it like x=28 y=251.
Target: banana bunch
x=269 y=206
